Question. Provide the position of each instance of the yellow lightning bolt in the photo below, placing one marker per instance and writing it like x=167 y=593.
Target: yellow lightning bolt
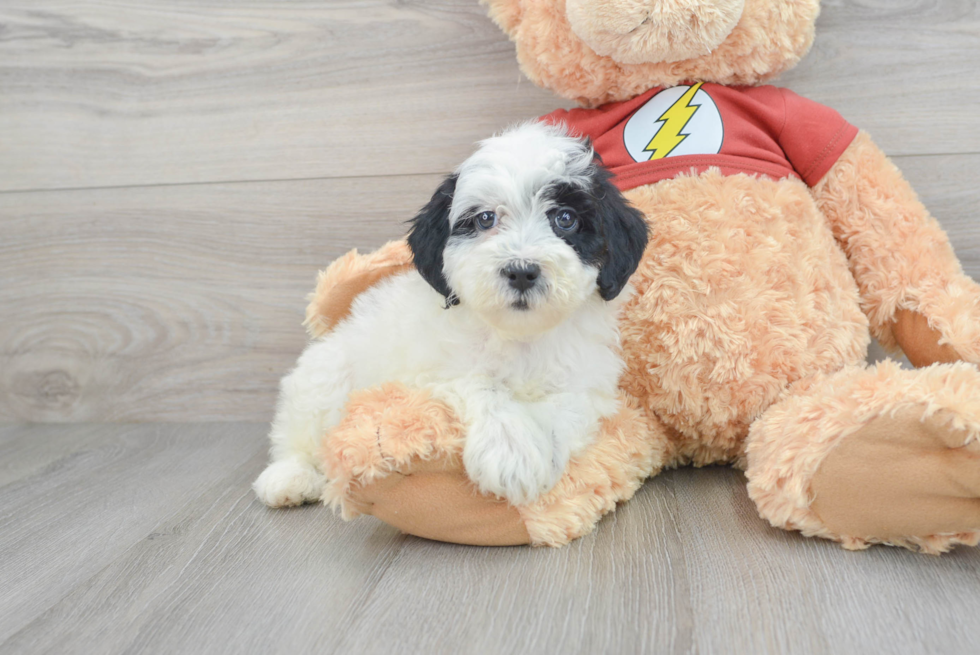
x=674 y=120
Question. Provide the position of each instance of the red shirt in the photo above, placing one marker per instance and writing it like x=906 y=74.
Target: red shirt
x=762 y=130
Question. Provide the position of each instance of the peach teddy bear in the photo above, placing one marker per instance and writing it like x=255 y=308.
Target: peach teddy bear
x=781 y=238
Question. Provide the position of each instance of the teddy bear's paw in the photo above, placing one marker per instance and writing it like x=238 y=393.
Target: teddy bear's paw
x=512 y=457
x=289 y=482
x=903 y=475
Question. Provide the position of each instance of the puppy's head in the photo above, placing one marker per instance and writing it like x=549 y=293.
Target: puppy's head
x=526 y=230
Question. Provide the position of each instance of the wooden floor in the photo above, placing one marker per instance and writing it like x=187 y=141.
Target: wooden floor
x=172 y=175
x=146 y=538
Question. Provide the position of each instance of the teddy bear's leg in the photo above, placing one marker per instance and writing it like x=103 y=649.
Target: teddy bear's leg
x=398 y=456
x=912 y=286
x=876 y=455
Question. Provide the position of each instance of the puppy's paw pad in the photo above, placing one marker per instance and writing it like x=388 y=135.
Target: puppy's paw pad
x=287 y=483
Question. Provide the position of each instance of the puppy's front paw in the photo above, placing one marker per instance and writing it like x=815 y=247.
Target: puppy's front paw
x=513 y=458
x=289 y=482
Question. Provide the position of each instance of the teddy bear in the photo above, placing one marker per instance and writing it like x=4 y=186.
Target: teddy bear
x=781 y=239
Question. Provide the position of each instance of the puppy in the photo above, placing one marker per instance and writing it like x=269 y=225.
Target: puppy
x=510 y=318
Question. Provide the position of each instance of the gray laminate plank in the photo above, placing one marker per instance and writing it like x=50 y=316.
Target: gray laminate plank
x=128 y=92
x=884 y=64
x=173 y=303
x=762 y=590
x=686 y=566
x=27 y=449
x=222 y=574
x=68 y=520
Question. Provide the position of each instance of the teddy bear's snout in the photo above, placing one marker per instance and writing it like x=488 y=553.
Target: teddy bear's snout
x=653 y=31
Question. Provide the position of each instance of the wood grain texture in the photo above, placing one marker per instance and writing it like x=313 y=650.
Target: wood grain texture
x=66 y=521
x=124 y=92
x=22 y=457
x=902 y=70
x=167 y=559
x=220 y=574
x=172 y=303
x=830 y=600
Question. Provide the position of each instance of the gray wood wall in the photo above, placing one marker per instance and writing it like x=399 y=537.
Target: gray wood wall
x=174 y=172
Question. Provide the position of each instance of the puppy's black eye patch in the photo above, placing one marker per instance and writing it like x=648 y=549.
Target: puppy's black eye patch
x=466 y=226
x=570 y=196
x=578 y=203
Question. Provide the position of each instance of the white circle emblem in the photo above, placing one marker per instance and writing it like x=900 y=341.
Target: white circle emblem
x=681 y=120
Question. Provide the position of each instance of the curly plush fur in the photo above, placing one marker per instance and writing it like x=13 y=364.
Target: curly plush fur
x=790 y=443
x=724 y=266
x=900 y=255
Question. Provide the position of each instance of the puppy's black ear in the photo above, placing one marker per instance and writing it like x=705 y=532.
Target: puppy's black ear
x=625 y=233
x=428 y=236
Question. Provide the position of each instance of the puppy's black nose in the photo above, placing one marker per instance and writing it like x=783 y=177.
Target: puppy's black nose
x=522 y=276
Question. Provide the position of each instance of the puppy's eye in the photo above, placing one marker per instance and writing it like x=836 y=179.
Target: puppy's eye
x=565 y=220
x=486 y=220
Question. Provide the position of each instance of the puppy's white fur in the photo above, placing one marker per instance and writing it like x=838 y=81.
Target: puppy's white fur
x=531 y=384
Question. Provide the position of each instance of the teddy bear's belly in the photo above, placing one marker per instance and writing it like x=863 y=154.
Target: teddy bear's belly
x=742 y=291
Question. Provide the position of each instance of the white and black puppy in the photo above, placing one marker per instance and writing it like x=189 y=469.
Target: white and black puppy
x=510 y=319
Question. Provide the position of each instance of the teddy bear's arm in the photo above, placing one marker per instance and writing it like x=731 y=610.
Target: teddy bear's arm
x=347 y=278
x=912 y=286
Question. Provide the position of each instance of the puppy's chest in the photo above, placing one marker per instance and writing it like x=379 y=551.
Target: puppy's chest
x=531 y=372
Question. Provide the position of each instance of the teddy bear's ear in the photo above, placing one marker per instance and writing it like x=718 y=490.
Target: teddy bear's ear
x=430 y=232
x=625 y=231
x=505 y=13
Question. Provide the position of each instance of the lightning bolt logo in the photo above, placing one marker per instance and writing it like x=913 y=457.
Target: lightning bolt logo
x=673 y=120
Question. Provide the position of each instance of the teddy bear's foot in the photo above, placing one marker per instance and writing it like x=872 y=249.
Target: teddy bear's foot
x=289 y=482
x=909 y=473
x=398 y=456
x=879 y=455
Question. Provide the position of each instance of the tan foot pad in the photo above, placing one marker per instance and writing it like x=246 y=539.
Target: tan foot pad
x=900 y=477
x=437 y=501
